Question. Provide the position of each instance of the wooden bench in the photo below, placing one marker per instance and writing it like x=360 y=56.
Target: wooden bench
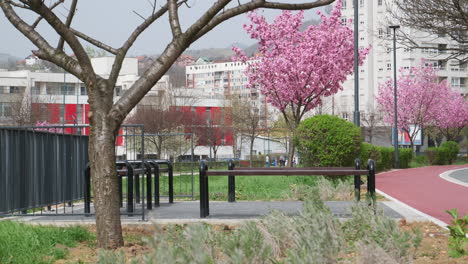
x=310 y=171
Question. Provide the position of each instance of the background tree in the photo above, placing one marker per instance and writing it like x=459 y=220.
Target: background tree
x=437 y=18
x=298 y=68
x=370 y=122
x=420 y=98
x=246 y=119
x=105 y=115
x=452 y=116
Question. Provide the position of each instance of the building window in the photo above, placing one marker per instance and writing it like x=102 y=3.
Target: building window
x=62 y=113
x=379 y=2
x=343 y=4
x=5 y=110
x=343 y=21
x=208 y=114
x=381 y=33
x=83 y=90
x=67 y=89
x=35 y=90
x=361 y=3
x=389 y=66
x=118 y=90
x=44 y=112
x=15 y=89
x=3 y=89
x=455 y=82
x=79 y=114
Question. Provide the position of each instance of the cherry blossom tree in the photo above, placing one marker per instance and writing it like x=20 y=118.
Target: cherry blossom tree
x=452 y=116
x=421 y=99
x=297 y=69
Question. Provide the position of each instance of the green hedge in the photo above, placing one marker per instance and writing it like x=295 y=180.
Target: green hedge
x=325 y=140
x=452 y=150
x=384 y=156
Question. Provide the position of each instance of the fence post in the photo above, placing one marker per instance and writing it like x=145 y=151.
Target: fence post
x=87 y=189
x=156 y=183
x=357 y=180
x=202 y=178
x=120 y=191
x=129 y=187
x=171 y=181
x=137 y=184
x=371 y=181
x=149 y=198
x=231 y=183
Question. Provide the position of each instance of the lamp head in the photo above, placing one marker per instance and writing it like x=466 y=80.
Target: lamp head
x=394 y=27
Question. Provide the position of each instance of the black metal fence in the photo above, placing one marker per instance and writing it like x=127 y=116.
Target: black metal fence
x=40 y=168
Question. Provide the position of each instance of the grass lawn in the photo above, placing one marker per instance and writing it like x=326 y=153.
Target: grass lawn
x=21 y=243
x=247 y=187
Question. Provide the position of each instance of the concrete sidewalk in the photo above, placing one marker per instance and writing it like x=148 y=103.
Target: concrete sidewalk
x=223 y=212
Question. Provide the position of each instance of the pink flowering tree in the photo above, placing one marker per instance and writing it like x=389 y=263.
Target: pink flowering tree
x=452 y=116
x=47 y=127
x=419 y=97
x=297 y=69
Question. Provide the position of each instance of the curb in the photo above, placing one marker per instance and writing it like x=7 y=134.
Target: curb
x=432 y=219
x=446 y=176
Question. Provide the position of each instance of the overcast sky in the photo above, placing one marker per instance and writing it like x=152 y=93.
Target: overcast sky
x=111 y=21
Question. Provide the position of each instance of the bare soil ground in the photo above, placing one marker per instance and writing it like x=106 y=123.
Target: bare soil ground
x=433 y=249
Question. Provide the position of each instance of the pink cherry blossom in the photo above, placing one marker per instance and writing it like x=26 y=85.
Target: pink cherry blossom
x=298 y=68
x=422 y=101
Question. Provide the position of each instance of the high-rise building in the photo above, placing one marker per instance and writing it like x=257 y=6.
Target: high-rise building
x=374 y=30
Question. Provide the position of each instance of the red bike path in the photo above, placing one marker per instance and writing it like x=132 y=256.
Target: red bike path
x=424 y=190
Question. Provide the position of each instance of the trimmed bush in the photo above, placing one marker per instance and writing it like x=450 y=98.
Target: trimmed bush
x=325 y=140
x=405 y=157
x=384 y=157
x=437 y=156
x=452 y=150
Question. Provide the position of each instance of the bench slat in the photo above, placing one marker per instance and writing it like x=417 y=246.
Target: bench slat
x=287 y=168
x=285 y=172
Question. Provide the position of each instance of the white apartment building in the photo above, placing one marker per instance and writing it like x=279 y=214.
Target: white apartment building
x=378 y=66
x=61 y=97
x=218 y=80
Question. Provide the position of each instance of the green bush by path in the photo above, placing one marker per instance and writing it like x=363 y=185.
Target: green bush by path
x=384 y=157
x=437 y=155
x=21 y=243
x=325 y=140
x=452 y=150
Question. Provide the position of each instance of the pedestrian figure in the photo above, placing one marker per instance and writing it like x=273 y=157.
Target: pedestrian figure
x=267 y=161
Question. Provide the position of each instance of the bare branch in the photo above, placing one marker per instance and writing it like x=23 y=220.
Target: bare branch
x=24 y=6
x=174 y=18
x=46 y=52
x=71 y=14
x=41 y=9
x=95 y=42
x=243 y=8
x=136 y=13
x=34 y=25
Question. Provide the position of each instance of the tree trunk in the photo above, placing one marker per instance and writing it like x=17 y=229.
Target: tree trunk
x=252 y=139
x=292 y=149
x=101 y=150
x=105 y=186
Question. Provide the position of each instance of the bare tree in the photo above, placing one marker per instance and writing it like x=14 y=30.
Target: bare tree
x=370 y=121
x=444 y=18
x=246 y=118
x=105 y=115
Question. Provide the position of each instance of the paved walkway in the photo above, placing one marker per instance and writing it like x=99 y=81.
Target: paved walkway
x=424 y=189
x=220 y=212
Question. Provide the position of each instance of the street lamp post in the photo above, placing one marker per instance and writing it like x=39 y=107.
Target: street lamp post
x=357 y=121
x=395 y=126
